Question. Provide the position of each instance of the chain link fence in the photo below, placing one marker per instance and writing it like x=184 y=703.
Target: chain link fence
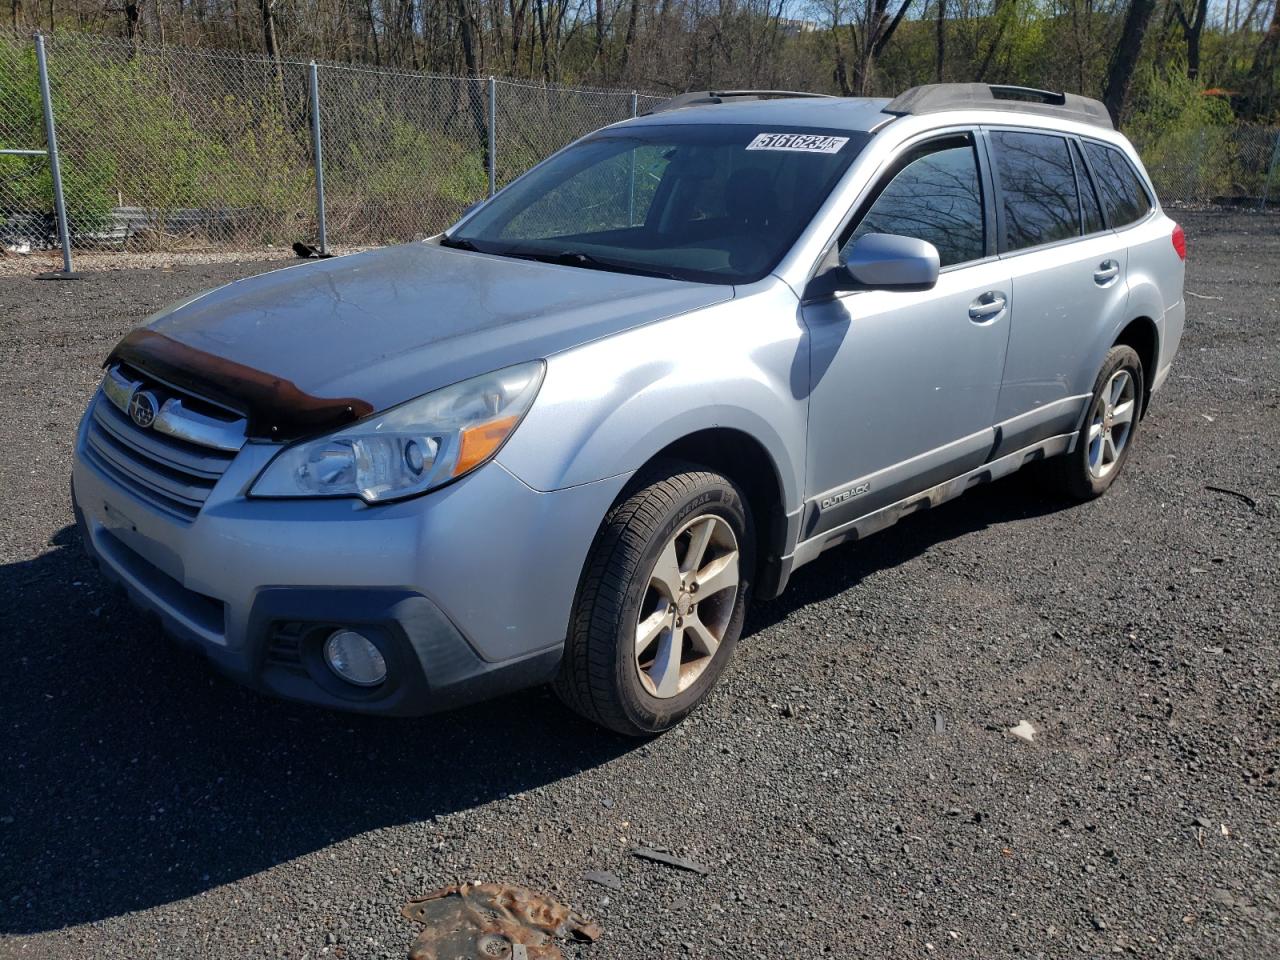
x=1223 y=166
x=166 y=148
x=404 y=154
x=26 y=193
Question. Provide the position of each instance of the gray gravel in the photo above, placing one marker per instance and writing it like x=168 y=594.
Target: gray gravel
x=851 y=786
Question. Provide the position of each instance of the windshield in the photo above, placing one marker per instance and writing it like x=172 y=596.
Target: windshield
x=717 y=203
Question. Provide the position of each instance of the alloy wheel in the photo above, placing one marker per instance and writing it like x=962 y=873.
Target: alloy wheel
x=687 y=606
x=1112 y=423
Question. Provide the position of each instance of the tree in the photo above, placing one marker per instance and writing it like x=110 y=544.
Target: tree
x=941 y=40
x=870 y=25
x=1260 y=84
x=1192 y=29
x=1124 y=60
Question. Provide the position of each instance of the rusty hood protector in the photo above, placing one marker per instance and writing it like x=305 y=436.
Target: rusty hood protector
x=493 y=920
x=274 y=407
x=296 y=347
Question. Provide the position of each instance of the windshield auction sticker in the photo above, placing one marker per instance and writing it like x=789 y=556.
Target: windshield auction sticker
x=797 y=142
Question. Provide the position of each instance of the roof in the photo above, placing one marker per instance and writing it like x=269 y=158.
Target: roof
x=834 y=113
x=766 y=107
x=941 y=97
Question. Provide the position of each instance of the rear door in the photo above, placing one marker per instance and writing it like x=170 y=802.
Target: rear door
x=1153 y=272
x=1068 y=277
x=904 y=383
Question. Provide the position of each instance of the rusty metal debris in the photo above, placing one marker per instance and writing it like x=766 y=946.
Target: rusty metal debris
x=488 y=920
x=663 y=856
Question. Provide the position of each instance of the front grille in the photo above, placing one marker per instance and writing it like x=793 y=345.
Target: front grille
x=172 y=474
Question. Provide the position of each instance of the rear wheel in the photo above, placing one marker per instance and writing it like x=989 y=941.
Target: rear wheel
x=1106 y=437
x=661 y=603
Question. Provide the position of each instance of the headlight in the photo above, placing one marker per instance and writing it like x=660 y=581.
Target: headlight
x=411 y=448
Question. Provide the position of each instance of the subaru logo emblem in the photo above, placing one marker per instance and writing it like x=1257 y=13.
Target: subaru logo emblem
x=142 y=408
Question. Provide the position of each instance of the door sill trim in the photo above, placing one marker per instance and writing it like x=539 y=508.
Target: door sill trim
x=877 y=520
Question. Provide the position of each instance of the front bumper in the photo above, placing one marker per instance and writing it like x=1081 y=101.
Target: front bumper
x=467 y=590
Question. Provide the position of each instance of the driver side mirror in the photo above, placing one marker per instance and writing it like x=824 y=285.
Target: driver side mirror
x=886 y=261
x=882 y=261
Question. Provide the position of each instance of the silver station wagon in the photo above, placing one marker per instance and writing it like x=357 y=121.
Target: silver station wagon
x=565 y=440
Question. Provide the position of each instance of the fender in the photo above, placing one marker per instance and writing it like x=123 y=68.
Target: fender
x=652 y=386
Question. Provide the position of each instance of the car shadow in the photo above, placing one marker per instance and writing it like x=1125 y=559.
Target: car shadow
x=1017 y=497
x=135 y=776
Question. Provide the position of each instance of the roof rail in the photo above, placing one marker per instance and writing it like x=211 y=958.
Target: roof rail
x=939 y=97
x=700 y=97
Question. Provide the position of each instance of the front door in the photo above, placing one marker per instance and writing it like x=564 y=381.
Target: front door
x=904 y=383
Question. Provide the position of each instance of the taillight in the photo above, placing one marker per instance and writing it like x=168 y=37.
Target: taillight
x=1179 y=242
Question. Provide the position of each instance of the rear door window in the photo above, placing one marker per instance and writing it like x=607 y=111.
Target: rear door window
x=1039 y=200
x=1124 y=198
x=935 y=195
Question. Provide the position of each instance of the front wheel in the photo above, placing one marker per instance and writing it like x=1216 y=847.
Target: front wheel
x=661 y=603
x=1106 y=437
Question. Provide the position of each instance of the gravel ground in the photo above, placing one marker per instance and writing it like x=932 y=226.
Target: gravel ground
x=98 y=261
x=851 y=786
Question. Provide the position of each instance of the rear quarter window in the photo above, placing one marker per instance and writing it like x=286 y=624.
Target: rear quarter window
x=1124 y=198
x=1089 y=204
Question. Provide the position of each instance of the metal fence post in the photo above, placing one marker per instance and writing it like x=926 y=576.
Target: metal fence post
x=493 y=136
x=635 y=104
x=51 y=139
x=317 y=153
x=1271 y=169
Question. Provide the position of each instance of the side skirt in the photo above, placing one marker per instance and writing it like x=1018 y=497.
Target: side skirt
x=878 y=520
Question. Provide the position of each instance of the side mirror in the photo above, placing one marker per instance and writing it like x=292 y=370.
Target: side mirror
x=883 y=261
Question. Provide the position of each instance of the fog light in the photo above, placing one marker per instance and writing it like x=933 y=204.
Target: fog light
x=354 y=658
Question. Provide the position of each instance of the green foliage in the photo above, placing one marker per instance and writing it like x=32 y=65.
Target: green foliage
x=27 y=184
x=127 y=138
x=1184 y=135
x=168 y=135
x=1166 y=98
x=154 y=145
x=397 y=178
x=396 y=156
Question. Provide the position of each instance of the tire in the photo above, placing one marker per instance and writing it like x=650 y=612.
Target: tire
x=1080 y=474
x=608 y=674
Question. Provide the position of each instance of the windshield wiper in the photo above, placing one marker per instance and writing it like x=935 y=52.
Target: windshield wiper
x=576 y=258
x=461 y=243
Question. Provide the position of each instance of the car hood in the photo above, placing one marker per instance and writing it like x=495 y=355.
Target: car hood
x=315 y=345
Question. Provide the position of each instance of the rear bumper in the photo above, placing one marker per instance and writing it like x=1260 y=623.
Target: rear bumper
x=1170 y=338
x=467 y=590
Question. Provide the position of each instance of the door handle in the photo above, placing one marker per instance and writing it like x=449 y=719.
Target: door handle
x=1107 y=271
x=987 y=307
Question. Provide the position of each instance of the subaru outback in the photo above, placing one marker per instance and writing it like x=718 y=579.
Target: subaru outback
x=566 y=439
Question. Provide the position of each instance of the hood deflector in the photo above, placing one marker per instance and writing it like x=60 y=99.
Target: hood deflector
x=275 y=407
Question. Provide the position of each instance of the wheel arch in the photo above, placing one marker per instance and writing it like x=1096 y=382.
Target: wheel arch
x=1143 y=336
x=747 y=462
